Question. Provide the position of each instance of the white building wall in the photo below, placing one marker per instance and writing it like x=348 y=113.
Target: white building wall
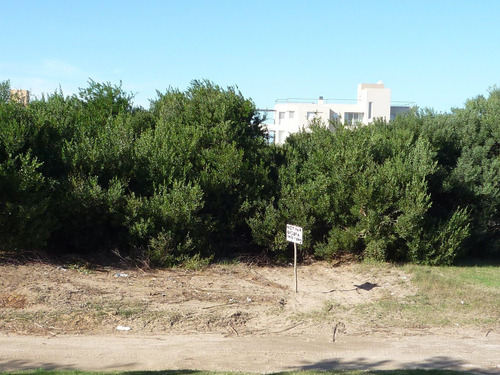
x=373 y=102
x=380 y=99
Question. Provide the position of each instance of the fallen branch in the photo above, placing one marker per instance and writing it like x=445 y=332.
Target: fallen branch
x=224 y=304
x=289 y=328
x=235 y=331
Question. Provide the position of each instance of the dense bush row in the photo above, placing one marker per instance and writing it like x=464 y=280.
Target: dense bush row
x=193 y=176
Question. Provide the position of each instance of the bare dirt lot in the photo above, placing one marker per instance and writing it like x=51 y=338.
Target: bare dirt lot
x=225 y=317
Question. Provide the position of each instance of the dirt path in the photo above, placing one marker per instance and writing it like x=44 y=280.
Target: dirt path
x=235 y=317
x=251 y=354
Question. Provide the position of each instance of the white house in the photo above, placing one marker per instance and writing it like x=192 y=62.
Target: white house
x=373 y=102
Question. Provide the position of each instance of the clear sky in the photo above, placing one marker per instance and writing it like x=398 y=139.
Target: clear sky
x=435 y=53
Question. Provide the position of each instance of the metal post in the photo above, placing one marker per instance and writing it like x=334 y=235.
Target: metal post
x=295 y=266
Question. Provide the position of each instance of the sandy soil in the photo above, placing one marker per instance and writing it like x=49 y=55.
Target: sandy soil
x=234 y=317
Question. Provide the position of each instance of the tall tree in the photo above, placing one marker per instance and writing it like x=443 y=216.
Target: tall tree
x=4 y=91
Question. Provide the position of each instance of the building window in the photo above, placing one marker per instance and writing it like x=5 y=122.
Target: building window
x=281 y=116
x=370 y=105
x=291 y=114
x=272 y=136
x=353 y=117
x=311 y=115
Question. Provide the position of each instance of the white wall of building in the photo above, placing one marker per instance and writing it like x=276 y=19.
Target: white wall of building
x=373 y=102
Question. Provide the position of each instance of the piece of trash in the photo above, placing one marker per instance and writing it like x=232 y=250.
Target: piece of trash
x=121 y=274
x=462 y=302
x=249 y=299
x=122 y=328
x=231 y=300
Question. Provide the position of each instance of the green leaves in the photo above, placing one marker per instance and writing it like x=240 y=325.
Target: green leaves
x=167 y=183
x=26 y=220
x=4 y=91
x=366 y=191
x=194 y=176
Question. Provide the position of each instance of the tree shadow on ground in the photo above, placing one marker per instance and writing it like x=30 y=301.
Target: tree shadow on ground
x=8 y=365
x=437 y=365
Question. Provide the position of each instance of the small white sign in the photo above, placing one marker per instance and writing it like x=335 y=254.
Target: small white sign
x=294 y=234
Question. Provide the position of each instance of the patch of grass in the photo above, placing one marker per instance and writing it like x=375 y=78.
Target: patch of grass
x=128 y=312
x=81 y=266
x=328 y=313
x=197 y=262
x=481 y=276
x=228 y=262
x=477 y=287
x=196 y=372
x=443 y=297
x=446 y=296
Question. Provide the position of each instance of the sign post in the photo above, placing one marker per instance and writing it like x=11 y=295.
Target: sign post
x=294 y=234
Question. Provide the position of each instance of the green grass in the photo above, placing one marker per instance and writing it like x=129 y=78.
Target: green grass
x=195 y=372
x=441 y=297
x=445 y=296
x=481 y=276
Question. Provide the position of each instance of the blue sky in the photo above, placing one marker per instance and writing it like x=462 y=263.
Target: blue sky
x=436 y=53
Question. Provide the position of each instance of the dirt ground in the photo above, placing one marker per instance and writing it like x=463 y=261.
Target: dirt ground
x=238 y=317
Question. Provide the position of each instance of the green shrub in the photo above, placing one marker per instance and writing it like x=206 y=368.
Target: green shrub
x=193 y=176
x=26 y=220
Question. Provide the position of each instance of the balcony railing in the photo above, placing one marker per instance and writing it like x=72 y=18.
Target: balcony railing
x=315 y=101
x=394 y=103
